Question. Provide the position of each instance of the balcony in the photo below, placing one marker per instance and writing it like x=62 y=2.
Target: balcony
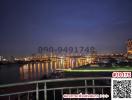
x=55 y=89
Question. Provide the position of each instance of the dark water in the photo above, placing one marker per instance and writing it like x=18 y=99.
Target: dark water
x=14 y=73
x=9 y=74
x=28 y=72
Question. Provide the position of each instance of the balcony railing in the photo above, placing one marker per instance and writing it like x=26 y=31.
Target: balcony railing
x=55 y=88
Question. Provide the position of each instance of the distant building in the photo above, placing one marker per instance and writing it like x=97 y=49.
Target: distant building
x=12 y=59
x=1 y=58
x=129 y=49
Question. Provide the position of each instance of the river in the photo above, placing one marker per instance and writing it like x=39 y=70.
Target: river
x=13 y=73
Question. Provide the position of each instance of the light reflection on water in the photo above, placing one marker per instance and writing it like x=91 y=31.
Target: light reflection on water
x=36 y=70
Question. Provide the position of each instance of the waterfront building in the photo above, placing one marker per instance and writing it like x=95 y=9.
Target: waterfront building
x=0 y=58
x=129 y=49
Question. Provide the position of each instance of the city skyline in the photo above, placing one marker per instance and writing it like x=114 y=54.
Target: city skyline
x=27 y=24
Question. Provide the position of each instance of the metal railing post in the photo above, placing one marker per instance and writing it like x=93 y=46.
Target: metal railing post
x=86 y=86
x=93 y=83
x=18 y=96
x=37 y=92
x=102 y=92
x=62 y=93
x=70 y=92
x=45 y=91
x=28 y=96
x=77 y=93
x=9 y=98
x=54 y=94
x=86 y=90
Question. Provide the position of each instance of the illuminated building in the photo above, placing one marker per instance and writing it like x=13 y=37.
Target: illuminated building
x=129 y=48
x=0 y=58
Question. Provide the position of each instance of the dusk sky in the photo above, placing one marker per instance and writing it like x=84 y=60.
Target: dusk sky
x=27 y=24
